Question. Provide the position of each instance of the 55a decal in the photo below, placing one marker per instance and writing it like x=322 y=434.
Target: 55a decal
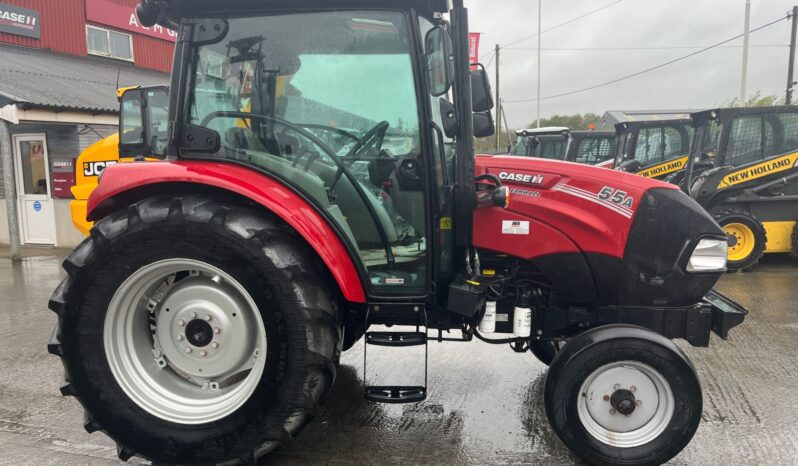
x=616 y=196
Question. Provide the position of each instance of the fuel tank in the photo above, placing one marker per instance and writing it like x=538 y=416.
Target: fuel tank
x=602 y=237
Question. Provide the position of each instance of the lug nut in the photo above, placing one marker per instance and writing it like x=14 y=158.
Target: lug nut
x=632 y=389
x=208 y=317
x=181 y=322
x=606 y=398
x=214 y=345
x=188 y=350
x=193 y=315
x=179 y=337
x=203 y=353
x=616 y=386
x=612 y=411
x=639 y=402
x=217 y=330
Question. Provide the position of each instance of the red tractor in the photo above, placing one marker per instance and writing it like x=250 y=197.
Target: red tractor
x=318 y=179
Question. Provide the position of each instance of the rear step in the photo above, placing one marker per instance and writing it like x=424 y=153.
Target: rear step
x=395 y=394
x=398 y=339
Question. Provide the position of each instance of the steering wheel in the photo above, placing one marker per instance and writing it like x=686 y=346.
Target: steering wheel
x=374 y=137
x=296 y=128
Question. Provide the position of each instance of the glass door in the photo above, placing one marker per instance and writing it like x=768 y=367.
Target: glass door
x=37 y=215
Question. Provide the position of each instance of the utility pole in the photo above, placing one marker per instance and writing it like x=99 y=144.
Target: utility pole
x=745 y=51
x=10 y=190
x=540 y=16
x=498 y=101
x=507 y=129
x=791 y=66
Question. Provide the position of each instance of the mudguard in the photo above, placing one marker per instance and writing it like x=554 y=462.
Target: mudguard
x=125 y=184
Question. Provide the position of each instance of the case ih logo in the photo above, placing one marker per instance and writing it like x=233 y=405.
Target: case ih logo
x=19 y=21
x=529 y=179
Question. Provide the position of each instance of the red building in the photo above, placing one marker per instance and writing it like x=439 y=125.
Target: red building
x=77 y=27
x=60 y=64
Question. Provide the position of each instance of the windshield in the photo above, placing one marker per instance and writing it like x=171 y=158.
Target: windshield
x=327 y=101
x=660 y=144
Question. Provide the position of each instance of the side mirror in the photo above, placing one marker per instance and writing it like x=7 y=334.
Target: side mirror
x=440 y=61
x=483 y=125
x=481 y=93
x=449 y=118
x=143 y=122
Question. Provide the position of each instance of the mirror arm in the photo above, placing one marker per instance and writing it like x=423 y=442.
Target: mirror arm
x=442 y=148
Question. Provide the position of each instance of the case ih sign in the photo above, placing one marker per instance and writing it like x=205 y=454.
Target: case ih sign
x=19 y=21
x=123 y=17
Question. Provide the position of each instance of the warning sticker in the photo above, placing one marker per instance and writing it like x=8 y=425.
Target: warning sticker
x=515 y=227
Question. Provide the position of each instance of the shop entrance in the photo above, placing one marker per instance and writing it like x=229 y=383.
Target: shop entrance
x=35 y=204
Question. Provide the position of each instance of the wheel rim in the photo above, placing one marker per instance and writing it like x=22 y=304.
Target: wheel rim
x=625 y=404
x=185 y=341
x=741 y=241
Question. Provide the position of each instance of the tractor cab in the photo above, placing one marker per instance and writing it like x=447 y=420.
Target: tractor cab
x=743 y=168
x=653 y=147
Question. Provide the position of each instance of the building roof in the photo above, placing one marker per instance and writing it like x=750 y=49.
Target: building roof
x=34 y=78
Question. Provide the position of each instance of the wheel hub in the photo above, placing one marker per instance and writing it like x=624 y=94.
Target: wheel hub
x=625 y=404
x=623 y=401
x=185 y=341
x=199 y=333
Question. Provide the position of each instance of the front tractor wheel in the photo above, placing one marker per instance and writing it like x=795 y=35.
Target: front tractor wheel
x=623 y=395
x=195 y=331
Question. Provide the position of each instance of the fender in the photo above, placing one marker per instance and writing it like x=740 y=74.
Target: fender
x=120 y=183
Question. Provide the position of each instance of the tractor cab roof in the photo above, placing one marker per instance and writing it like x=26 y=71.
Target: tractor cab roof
x=174 y=10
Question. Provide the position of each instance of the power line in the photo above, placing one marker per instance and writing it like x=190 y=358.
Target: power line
x=564 y=23
x=647 y=70
x=559 y=25
x=675 y=47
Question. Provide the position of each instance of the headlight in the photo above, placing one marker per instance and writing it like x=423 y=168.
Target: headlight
x=709 y=256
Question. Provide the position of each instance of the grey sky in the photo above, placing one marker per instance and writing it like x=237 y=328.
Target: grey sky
x=704 y=80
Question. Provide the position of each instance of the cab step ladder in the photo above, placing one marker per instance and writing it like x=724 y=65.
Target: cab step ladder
x=396 y=339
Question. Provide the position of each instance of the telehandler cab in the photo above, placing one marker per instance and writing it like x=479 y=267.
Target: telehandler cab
x=744 y=170
x=654 y=148
x=317 y=180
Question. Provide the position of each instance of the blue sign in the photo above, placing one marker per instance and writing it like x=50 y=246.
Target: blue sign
x=37 y=206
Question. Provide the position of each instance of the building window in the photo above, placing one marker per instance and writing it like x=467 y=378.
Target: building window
x=108 y=43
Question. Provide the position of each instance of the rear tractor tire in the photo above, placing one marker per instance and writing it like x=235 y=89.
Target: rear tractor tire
x=623 y=395
x=194 y=330
x=747 y=238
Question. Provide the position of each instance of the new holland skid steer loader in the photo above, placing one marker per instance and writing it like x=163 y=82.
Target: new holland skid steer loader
x=744 y=170
x=317 y=183
x=560 y=143
x=654 y=148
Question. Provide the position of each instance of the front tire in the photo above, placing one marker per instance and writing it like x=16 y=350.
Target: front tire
x=747 y=238
x=195 y=331
x=623 y=395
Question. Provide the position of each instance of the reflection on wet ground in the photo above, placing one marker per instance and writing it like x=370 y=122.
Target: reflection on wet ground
x=484 y=405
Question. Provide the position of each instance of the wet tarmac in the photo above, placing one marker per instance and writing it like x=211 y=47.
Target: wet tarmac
x=484 y=405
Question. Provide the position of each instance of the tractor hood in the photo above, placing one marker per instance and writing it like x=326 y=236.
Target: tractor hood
x=631 y=236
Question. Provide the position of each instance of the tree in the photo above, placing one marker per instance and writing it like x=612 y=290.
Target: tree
x=756 y=100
